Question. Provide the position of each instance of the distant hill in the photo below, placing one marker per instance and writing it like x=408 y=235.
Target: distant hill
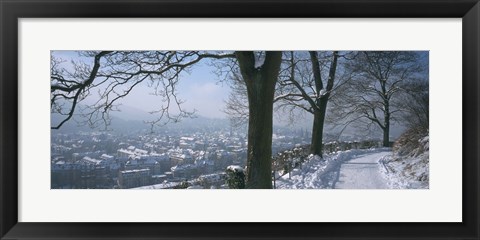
x=131 y=119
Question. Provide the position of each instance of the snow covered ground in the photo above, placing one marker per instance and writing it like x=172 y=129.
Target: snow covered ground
x=362 y=173
x=351 y=169
x=408 y=168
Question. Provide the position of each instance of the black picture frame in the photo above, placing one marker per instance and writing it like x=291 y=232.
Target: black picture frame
x=11 y=11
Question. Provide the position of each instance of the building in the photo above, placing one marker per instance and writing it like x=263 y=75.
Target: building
x=134 y=178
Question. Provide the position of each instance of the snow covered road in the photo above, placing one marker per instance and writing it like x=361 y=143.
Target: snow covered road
x=361 y=173
x=351 y=169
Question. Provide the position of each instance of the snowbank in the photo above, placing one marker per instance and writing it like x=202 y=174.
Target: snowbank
x=235 y=168
x=408 y=167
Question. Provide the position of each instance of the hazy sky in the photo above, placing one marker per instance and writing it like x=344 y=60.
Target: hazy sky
x=200 y=90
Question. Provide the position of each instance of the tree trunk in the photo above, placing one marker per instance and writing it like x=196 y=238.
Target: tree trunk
x=386 y=138
x=260 y=82
x=386 y=131
x=386 y=114
x=316 y=146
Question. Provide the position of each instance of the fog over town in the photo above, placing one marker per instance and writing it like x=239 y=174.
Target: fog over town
x=194 y=150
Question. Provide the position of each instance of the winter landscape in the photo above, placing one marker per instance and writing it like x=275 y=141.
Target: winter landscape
x=239 y=119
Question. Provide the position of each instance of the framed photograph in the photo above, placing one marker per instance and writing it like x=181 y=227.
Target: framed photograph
x=239 y=119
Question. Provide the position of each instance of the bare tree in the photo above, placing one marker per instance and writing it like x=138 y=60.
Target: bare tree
x=416 y=104
x=303 y=87
x=114 y=74
x=260 y=78
x=374 y=95
x=236 y=106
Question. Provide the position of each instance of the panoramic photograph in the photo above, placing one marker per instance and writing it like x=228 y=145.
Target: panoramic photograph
x=149 y=120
